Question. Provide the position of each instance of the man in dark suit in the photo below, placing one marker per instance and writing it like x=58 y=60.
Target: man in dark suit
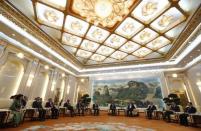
x=96 y=109
x=188 y=110
x=173 y=108
x=38 y=104
x=80 y=108
x=113 y=108
x=69 y=107
x=150 y=110
x=55 y=111
x=130 y=109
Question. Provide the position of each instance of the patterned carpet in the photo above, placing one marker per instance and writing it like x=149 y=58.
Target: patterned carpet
x=89 y=126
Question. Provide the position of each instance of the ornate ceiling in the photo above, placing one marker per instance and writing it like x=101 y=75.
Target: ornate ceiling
x=101 y=32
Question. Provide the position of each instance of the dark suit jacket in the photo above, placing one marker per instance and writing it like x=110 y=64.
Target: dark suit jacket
x=37 y=104
x=151 y=108
x=49 y=105
x=95 y=106
x=112 y=107
x=190 y=110
x=24 y=102
x=80 y=106
x=130 y=107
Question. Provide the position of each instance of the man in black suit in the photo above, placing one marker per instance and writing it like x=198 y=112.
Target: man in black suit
x=188 y=110
x=130 y=109
x=150 y=110
x=55 y=111
x=96 y=109
x=80 y=108
x=173 y=108
x=113 y=108
x=38 y=104
x=69 y=107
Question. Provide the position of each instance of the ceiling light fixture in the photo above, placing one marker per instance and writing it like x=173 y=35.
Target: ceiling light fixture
x=103 y=8
x=63 y=75
x=104 y=12
x=46 y=67
x=20 y=55
x=174 y=75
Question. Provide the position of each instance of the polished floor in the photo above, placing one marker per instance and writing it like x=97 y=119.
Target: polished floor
x=140 y=121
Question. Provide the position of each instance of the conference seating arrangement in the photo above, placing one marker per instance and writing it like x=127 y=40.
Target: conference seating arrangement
x=29 y=112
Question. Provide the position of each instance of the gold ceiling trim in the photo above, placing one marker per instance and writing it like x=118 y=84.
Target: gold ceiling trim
x=186 y=32
x=24 y=22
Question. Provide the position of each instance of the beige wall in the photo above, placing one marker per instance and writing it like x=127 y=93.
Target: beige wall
x=29 y=77
x=193 y=75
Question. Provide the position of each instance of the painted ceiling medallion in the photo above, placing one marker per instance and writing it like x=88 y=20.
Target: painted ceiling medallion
x=144 y=35
x=149 y=8
x=104 y=12
x=76 y=26
x=51 y=16
x=166 y=20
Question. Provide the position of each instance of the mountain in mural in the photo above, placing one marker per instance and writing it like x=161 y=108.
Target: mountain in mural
x=140 y=91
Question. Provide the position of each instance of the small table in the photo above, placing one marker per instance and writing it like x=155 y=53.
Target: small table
x=121 y=110
x=158 y=114
x=195 y=118
x=62 y=110
x=4 y=114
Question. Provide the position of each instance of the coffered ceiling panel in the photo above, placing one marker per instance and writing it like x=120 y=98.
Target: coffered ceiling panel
x=49 y=16
x=75 y=26
x=97 y=32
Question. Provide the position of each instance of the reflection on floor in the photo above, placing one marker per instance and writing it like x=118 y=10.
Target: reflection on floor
x=98 y=121
x=96 y=126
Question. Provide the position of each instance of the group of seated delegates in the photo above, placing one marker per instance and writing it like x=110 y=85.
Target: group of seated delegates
x=19 y=102
x=173 y=108
x=130 y=109
x=113 y=108
x=54 y=110
x=69 y=107
x=190 y=109
x=95 y=109
x=38 y=105
x=151 y=107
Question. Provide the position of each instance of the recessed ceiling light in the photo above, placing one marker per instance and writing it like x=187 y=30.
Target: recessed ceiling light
x=46 y=67
x=198 y=83
x=82 y=80
x=63 y=74
x=20 y=55
x=174 y=75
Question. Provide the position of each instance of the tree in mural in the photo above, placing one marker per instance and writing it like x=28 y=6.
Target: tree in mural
x=135 y=91
x=141 y=92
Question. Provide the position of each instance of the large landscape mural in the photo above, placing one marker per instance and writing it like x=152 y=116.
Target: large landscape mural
x=140 y=91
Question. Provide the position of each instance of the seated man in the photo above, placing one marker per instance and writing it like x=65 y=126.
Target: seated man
x=113 y=108
x=188 y=110
x=24 y=101
x=80 y=108
x=38 y=104
x=96 y=109
x=69 y=107
x=55 y=111
x=150 y=110
x=173 y=108
x=130 y=109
